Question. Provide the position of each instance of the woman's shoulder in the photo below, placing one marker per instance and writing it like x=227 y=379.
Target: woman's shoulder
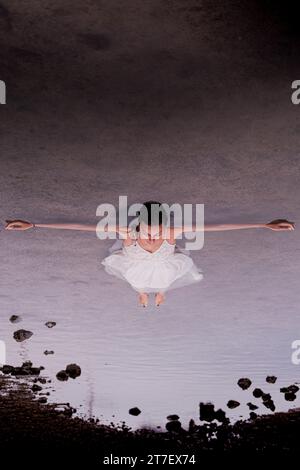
x=128 y=242
x=130 y=237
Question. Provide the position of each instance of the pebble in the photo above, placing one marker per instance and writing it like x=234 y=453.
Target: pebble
x=62 y=376
x=220 y=416
x=50 y=324
x=73 y=371
x=172 y=417
x=25 y=369
x=290 y=389
x=233 y=404
x=15 y=319
x=290 y=396
x=244 y=383
x=252 y=406
x=173 y=426
x=22 y=335
x=42 y=400
x=271 y=379
x=134 y=411
x=270 y=405
x=207 y=412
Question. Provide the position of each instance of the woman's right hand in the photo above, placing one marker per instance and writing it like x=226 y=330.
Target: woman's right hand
x=280 y=225
x=18 y=225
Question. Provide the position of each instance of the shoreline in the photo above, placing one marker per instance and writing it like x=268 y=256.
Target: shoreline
x=51 y=430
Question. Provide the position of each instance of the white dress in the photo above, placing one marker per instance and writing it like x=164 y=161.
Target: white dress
x=152 y=272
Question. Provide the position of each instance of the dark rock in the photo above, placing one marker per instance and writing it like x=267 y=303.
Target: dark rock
x=253 y=415
x=73 y=371
x=42 y=400
x=266 y=397
x=244 y=383
x=22 y=335
x=271 y=379
x=62 y=376
x=20 y=371
x=207 y=412
x=50 y=324
x=257 y=393
x=220 y=416
x=172 y=417
x=48 y=352
x=290 y=389
x=25 y=369
x=192 y=426
x=27 y=365
x=15 y=319
x=42 y=380
x=65 y=409
x=290 y=396
x=233 y=404
x=269 y=404
x=174 y=426
x=252 y=406
x=6 y=369
x=35 y=370
x=134 y=411
x=36 y=388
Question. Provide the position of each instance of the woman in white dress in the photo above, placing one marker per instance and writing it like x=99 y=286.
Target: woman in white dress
x=149 y=259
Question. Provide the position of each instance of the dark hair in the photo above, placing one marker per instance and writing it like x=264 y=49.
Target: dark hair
x=152 y=212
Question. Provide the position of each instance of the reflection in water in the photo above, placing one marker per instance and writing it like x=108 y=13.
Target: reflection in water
x=162 y=363
x=91 y=398
x=240 y=321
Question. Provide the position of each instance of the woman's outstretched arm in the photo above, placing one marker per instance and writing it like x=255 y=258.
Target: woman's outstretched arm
x=277 y=225
x=23 y=225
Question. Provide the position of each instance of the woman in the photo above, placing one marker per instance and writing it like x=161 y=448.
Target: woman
x=148 y=259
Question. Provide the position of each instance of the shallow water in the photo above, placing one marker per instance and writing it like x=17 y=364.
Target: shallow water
x=164 y=360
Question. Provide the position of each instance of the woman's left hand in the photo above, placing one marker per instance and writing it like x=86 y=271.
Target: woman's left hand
x=18 y=225
x=280 y=225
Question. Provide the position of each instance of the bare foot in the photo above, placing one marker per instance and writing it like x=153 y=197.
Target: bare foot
x=159 y=299
x=143 y=299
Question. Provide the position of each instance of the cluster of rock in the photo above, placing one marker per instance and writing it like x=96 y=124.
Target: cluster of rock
x=71 y=371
